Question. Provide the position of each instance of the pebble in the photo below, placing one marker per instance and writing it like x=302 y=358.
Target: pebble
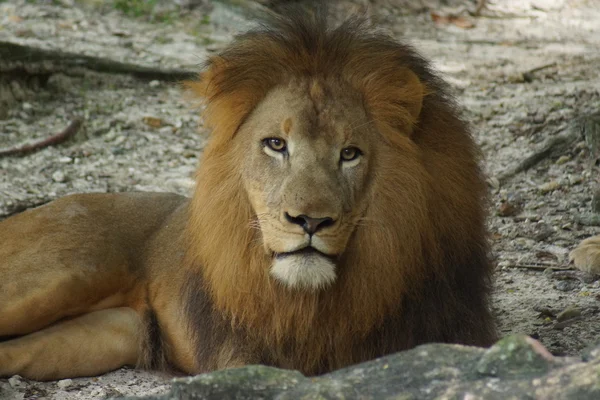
x=58 y=176
x=16 y=382
x=549 y=187
x=588 y=219
x=154 y=83
x=566 y=286
x=562 y=160
x=64 y=383
x=574 y=179
x=507 y=209
x=182 y=183
x=543 y=232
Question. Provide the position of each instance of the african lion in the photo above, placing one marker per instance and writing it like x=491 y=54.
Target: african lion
x=338 y=217
x=586 y=256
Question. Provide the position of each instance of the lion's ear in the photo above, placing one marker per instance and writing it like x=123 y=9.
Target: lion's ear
x=226 y=105
x=395 y=99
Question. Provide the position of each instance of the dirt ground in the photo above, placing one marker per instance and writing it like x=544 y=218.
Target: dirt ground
x=526 y=72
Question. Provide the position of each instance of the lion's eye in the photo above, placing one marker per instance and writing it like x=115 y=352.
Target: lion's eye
x=350 y=154
x=275 y=144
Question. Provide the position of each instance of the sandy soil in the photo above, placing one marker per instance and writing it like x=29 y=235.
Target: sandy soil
x=141 y=135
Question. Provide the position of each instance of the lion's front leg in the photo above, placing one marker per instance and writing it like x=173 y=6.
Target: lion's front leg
x=92 y=344
x=586 y=256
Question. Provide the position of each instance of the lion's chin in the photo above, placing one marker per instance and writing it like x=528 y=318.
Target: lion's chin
x=310 y=271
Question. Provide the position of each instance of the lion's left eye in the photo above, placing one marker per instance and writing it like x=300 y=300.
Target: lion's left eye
x=350 y=154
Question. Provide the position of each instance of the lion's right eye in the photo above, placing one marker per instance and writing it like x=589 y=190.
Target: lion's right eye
x=275 y=144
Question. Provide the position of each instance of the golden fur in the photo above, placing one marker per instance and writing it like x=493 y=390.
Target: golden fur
x=407 y=234
x=586 y=256
x=433 y=160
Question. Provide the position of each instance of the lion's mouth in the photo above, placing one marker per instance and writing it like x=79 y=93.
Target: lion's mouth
x=305 y=268
x=308 y=250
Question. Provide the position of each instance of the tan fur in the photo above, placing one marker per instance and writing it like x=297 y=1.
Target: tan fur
x=405 y=225
x=586 y=256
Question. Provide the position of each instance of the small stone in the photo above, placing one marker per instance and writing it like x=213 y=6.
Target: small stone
x=542 y=232
x=507 y=209
x=65 y=160
x=588 y=219
x=58 y=176
x=563 y=159
x=566 y=286
x=154 y=83
x=64 y=383
x=16 y=382
x=574 y=179
x=27 y=106
x=182 y=183
x=549 y=187
x=515 y=356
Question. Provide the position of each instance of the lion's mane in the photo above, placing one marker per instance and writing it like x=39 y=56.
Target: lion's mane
x=417 y=273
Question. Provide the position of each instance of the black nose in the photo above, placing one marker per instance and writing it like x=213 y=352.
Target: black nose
x=309 y=224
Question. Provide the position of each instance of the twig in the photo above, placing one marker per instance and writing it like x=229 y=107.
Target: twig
x=528 y=75
x=551 y=146
x=58 y=138
x=539 y=267
x=541 y=67
x=577 y=275
x=14 y=52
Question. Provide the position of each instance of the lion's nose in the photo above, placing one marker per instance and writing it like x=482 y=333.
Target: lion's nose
x=309 y=224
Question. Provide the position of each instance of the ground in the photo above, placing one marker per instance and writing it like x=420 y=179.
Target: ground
x=526 y=72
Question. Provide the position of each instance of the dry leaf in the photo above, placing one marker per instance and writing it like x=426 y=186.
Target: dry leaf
x=153 y=122
x=458 y=21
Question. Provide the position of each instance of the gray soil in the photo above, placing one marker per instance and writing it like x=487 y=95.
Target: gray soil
x=141 y=134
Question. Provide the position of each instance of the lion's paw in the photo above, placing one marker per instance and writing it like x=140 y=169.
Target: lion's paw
x=586 y=256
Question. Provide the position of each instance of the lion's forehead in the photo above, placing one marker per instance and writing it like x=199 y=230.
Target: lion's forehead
x=292 y=110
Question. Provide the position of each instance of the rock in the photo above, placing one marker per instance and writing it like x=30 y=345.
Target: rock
x=549 y=187
x=64 y=383
x=515 y=356
x=16 y=382
x=58 y=176
x=588 y=219
x=515 y=367
x=567 y=286
x=507 y=209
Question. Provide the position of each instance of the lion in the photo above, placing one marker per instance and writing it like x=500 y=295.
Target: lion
x=586 y=256
x=338 y=216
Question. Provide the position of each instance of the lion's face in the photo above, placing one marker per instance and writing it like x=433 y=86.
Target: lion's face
x=305 y=166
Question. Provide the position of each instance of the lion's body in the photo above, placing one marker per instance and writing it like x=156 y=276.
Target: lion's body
x=338 y=216
x=586 y=256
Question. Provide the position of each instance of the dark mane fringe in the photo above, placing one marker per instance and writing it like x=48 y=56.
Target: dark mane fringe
x=298 y=44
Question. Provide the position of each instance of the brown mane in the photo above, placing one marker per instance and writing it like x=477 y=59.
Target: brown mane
x=424 y=252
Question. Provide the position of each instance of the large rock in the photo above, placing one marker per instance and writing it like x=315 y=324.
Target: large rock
x=516 y=367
